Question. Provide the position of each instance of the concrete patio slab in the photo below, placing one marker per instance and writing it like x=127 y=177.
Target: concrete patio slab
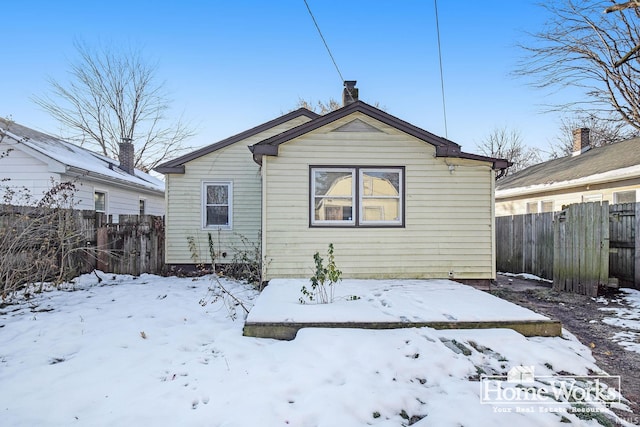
x=389 y=304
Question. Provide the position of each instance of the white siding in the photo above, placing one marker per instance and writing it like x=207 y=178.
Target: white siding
x=233 y=163
x=518 y=205
x=448 y=220
x=19 y=170
x=23 y=170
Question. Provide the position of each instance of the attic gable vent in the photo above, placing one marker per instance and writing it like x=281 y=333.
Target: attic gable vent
x=356 y=125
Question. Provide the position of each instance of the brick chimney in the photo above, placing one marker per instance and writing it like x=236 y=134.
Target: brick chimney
x=580 y=141
x=349 y=93
x=126 y=156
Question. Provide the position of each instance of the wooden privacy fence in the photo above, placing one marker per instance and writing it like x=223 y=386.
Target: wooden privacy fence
x=581 y=248
x=134 y=245
x=525 y=244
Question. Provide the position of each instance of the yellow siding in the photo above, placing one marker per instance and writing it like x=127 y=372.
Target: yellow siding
x=448 y=215
x=184 y=200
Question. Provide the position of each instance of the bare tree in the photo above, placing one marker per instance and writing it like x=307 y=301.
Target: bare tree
x=602 y=132
x=580 y=47
x=507 y=144
x=319 y=107
x=322 y=108
x=114 y=94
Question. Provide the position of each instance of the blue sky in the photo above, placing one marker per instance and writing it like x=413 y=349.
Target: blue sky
x=231 y=65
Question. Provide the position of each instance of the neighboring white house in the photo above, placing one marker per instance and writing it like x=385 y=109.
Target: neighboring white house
x=609 y=173
x=394 y=199
x=33 y=160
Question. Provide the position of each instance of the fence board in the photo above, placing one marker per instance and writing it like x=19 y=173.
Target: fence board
x=524 y=244
x=583 y=265
x=623 y=262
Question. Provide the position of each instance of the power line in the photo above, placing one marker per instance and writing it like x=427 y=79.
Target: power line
x=444 y=107
x=327 y=46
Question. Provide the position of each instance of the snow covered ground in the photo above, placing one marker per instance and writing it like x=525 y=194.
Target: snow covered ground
x=627 y=318
x=143 y=351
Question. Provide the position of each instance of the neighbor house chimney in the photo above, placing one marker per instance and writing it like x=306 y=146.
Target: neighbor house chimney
x=349 y=93
x=126 y=156
x=580 y=141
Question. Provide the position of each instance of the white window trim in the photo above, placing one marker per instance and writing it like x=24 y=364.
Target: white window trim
x=143 y=200
x=356 y=197
x=203 y=205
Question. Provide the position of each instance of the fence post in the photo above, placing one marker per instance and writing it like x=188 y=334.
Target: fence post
x=636 y=274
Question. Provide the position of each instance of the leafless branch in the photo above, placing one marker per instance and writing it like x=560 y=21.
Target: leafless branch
x=114 y=94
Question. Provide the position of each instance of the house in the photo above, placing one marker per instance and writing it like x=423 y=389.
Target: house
x=608 y=173
x=394 y=199
x=34 y=160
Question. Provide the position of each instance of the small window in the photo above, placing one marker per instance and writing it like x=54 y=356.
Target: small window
x=532 y=207
x=591 y=198
x=624 y=197
x=100 y=201
x=217 y=205
x=142 y=207
x=546 y=206
x=357 y=196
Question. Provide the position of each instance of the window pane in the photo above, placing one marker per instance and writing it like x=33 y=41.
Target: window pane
x=217 y=215
x=217 y=195
x=142 y=207
x=387 y=209
x=624 y=197
x=99 y=201
x=333 y=209
x=333 y=183
x=547 y=206
x=532 y=207
x=380 y=183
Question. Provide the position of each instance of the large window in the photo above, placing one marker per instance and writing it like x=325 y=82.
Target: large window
x=217 y=204
x=357 y=196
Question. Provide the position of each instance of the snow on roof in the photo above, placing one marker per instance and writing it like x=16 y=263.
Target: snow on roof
x=77 y=157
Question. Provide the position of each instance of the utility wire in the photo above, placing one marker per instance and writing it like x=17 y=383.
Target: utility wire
x=327 y=47
x=444 y=107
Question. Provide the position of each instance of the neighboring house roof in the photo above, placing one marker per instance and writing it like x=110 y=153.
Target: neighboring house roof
x=444 y=147
x=67 y=158
x=177 y=165
x=608 y=163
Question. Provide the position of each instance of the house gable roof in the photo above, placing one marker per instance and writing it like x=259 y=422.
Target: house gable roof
x=603 y=164
x=177 y=165
x=444 y=147
x=72 y=159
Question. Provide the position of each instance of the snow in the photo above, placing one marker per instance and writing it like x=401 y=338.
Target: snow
x=72 y=155
x=143 y=351
x=527 y=276
x=626 y=318
x=386 y=301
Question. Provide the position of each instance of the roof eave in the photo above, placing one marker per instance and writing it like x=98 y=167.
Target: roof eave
x=455 y=152
x=275 y=141
x=180 y=161
x=170 y=169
